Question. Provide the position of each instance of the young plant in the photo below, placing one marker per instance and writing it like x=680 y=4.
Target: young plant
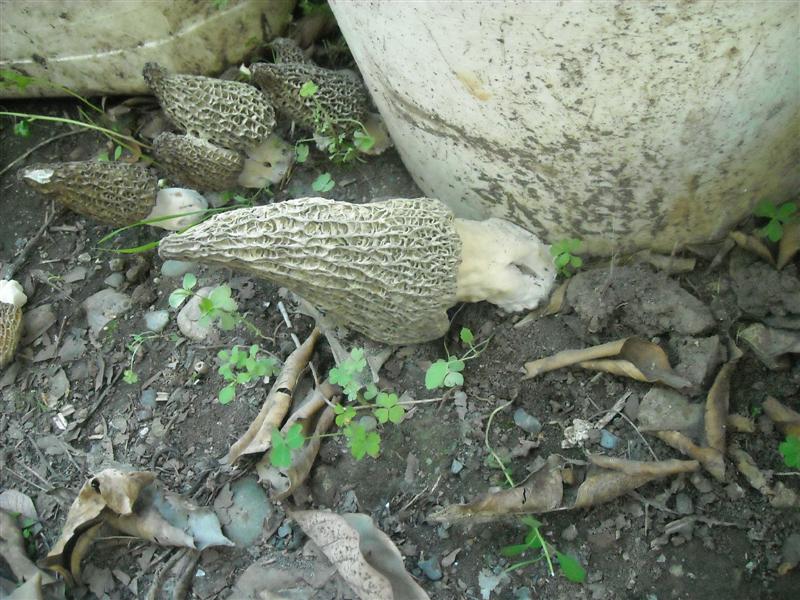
x=103 y=156
x=564 y=254
x=130 y=376
x=447 y=373
x=218 y=305
x=534 y=541
x=239 y=367
x=323 y=183
x=790 y=450
x=779 y=217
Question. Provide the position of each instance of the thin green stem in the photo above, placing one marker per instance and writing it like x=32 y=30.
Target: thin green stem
x=523 y=563
x=545 y=551
x=491 y=450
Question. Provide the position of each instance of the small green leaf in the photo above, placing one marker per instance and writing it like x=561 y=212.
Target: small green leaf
x=243 y=377
x=371 y=391
x=338 y=377
x=323 y=183
x=571 y=568
x=344 y=415
x=22 y=129
x=206 y=306
x=221 y=298
x=774 y=230
x=785 y=211
x=466 y=335
x=765 y=209
x=453 y=379
x=224 y=356
x=177 y=297
x=280 y=455
x=227 y=373
x=790 y=450
x=130 y=377
x=562 y=260
x=434 y=376
x=117 y=152
x=396 y=414
x=363 y=141
x=514 y=550
x=294 y=436
x=301 y=153
x=227 y=393
x=227 y=321
x=455 y=364
x=308 y=89
x=576 y=261
x=531 y=522
x=189 y=281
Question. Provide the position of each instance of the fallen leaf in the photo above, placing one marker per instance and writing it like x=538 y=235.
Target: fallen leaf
x=789 y=244
x=660 y=468
x=364 y=556
x=717 y=405
x=711 y=459
x=633 y=357
x=752 y=244
x=771 y=345
x=30 y=590
x=668 y=264
x=551 y=308
x=741 y=424
x=12 y=550
x=787 y=420
x=748 y=467
x=13 y=501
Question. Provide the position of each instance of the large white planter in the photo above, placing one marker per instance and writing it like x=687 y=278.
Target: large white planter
x=625 y=124
x=100 y=46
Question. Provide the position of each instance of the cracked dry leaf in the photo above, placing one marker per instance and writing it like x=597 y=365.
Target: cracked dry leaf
x=789 y=245
x=543 y=492
x=364 y=556
x=551 y=308
x=12 y=551
x=631 y=357
x=258 y=437
x=787 y=420
x=717 y=406
x=752 y=244
x=712 y=460
x=748 y=467
x=618 y=476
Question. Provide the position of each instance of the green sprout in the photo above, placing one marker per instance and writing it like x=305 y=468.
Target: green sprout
x=790 y=450
x=239 y=367
x=22 y=128
x=447 y=373
x=323 y=183
x=280 y=454
x=564 y=256
x=779 y=217
x=130 y=376
x=570 y=566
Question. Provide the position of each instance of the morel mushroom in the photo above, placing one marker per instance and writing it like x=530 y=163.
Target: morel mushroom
x=12 y=299
x=114 y=193
x=389 y=270
x=228 y=140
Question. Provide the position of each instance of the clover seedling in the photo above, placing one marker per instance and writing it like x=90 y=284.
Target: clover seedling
x=570 y=566
x=239 y=367
x=779 y=217
x=448 y=372
x=218 y=305
x=790 y=450
x=280 y=454
x=323 y=183
x=564 y=256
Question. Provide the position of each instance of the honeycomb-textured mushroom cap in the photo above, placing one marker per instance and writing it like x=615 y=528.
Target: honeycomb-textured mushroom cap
x=341 y=95
x=386 y=269
x=12 y=299
x=286 y=51
x=115 y=193
x=196 y=163
x=227 y=113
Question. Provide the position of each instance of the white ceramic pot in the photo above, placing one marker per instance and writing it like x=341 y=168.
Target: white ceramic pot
x=624 y=124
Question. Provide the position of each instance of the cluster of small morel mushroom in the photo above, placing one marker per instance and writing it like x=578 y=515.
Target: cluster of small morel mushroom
x=389 y=270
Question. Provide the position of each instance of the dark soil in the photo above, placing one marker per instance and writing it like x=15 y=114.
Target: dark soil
x=733 y=550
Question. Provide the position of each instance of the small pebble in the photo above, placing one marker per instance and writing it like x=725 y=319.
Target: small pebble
x=177 y=268
x=456 y=467
x=157 y=320
x=117 y=265
x=570 y=533
x=148 y=398
x=676 y=570
x=84 y=257
x=431 y=568
x=523 y=593
x=527 y=422
x=608 y=440
x=734 y=491
x=115 y=280
x=683 y=504
x=138 y=271
x=284 y=530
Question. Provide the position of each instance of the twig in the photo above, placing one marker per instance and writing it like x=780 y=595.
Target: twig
x=28 y=481
x=26 y=154
x=184 y=581
x=11 y=268
x=635 y=428
x=161 y=577
x=614 y=411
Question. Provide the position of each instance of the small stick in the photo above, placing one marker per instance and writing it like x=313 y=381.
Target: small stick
x=161 y=578
x=12 y=267
x=30 y=483
x=26 y=154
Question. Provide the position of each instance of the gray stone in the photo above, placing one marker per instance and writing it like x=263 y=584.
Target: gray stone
x=431 y=568
x=698 y=358
x=608 y=440
x=770 y=345
x=148 y=398
x=105 y=306
x=115 y=280
x=683 y=504
x=177 y=268
x=662 y=409
x=456 y=467
x=570 y=533
x=527 y=422
x=116 y=265
x=760 y=289
x=156 y=320
x=190 y=315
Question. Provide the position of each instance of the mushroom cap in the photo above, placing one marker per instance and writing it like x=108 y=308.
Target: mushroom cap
x=341 y=94
x=286 y=50
x=10 y=330
x=387 y=269
x=114 y=193
x=11 y=292
x=227 y=113
x=196 y=163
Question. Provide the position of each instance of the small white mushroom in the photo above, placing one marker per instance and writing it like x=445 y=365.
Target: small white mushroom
x=178 y=201
x=389 y=269
x=12 y=299
x=266 y=163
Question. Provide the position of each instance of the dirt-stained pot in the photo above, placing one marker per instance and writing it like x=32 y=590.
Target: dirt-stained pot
x=624 y=124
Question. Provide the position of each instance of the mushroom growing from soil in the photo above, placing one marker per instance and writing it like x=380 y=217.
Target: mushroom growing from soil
x=12 y=299
x=389 y=270
x=228 y=125
x=114 y=193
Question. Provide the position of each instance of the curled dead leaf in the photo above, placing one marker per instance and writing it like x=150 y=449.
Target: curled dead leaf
x=752 y=244
x=789 y=244
x=551 y=308
x=741 y=424
x=258 y=436
x=364 y=556
x=717 y=405
x=786 y=419
x=668 y=264
x=632 y=357
x=712 y=460
x=748 y=467
x=661 y=468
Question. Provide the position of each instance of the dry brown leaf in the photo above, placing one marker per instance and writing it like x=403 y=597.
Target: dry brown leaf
x=661 y=468
x=364 y=556
x=12 y=550
x=784 y=497
x=752 y=244
x=787 y=420
x=712 y=460
x=633 y=357
x=668 y=264
x=717 y=406
x=618 y=477
x=543 y=492
x=789 y=245
x=258 y=436
x=553 y=306
x=748 y=467
x=741 y=424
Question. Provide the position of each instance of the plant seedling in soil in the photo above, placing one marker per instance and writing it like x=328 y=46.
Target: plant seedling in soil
x=564 y=256
x=239 y=367
x=447 y=373
x=570 y=566
x=779 y=216
x=130 y=376
x=280 y=454
x=218 y=305
x=323 y=183
x=790 y=450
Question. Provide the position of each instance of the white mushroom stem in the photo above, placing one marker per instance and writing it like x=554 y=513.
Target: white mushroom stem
x=11 y=293
x=266 y=163
x=503 y=264
x=178 y=201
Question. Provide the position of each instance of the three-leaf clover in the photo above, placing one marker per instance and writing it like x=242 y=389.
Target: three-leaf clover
x=308 y=89
x=301 y=153
x=361 y=442
x=323 y=183
x=790 y=450
x=779 y=216
x=282 y=445
x=564 y=256
x=389 y=409
x=445 y=373
x=130 y=377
